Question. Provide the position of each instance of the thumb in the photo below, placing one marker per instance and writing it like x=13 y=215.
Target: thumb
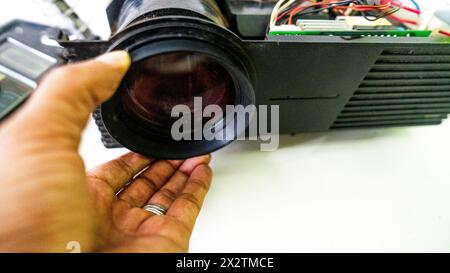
x=68 y=95
x=73 y=91
x=45 y=186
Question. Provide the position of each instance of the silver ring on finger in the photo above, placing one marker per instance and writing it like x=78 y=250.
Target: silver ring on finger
x=156 y=209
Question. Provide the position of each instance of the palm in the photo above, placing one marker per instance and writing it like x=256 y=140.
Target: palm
x=122 y=187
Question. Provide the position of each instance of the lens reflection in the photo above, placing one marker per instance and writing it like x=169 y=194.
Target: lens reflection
x=155 y=85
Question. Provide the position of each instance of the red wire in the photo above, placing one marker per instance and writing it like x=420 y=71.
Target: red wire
x=362 y=8
x=356 y=8
x=405 y=21
x=444 y=32
x=406 y=8
x=300 y=8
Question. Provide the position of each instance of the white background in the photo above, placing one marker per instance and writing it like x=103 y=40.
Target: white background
x=366 y=190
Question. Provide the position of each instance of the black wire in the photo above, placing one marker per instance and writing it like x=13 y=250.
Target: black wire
x=371 y=17
x=325 y=8
x=331 y=6
x=291 y=7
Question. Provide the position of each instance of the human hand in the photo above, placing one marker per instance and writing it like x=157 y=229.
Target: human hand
x=47 y=201
x=180 y=186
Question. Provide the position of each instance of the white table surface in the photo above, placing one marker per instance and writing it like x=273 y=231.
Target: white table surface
x=361 y=190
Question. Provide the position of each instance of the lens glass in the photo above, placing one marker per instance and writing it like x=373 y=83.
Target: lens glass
x=157 y=84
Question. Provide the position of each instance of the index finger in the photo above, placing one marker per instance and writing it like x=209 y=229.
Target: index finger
x=120 y=171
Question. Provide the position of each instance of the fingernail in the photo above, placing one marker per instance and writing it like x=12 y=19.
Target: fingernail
x=120 y=59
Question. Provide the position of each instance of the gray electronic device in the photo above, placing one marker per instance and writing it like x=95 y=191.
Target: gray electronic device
x=26 y=54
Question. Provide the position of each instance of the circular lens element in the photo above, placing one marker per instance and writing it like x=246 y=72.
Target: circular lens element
x=154 y=86
x=192 y=74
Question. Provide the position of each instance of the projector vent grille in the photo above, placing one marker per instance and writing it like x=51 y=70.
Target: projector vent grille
x=404 y=87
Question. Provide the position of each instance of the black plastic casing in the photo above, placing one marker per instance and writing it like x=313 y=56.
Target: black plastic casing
x=320 y=82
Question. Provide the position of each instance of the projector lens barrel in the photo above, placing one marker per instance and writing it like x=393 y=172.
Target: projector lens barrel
x=132 y=11
x=180 y=50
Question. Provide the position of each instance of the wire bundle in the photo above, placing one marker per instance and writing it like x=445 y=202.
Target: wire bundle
x=286 y=10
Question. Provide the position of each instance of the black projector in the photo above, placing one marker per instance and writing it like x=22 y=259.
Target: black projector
x=332 y=75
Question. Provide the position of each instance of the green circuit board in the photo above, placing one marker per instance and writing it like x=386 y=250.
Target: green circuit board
x=358 y=33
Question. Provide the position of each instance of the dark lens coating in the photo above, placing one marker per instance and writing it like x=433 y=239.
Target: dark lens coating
x=157 y=84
